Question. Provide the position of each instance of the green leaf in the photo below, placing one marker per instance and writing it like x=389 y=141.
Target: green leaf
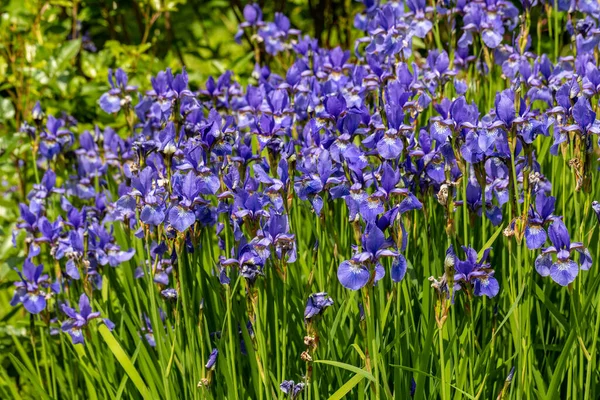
x=554 y=311
x=432 y=377
x=7 y=110
x=24 y=371
x=65 y=54
x=124 y=360
x=156 y=5
x=424 y=358
x=8 y=145
x=560 y=365
x=347 y=387
x=490 y=241
x=348 y=367
x=510 y=310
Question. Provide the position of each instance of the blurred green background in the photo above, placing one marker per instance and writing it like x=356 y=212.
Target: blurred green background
x=58 y=52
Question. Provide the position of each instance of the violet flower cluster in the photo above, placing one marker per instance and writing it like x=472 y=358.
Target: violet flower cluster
x=368 y=129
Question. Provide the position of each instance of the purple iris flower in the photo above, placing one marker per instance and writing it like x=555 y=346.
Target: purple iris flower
x=252 y=13
x=455 y=117
x=493 y=212
x=439 y=73
x=354 y=199
x=477 y=274
x=178 y=84
x=398 y=269
x=535 y=235
x=496 y=174
x=483 y=143
x=278 y=235
x=71 y=246
x=55 y=138
x=390 y=145
x=426 y=160
x=317 y=174
x=505 y=107
x=421 y=25
x=390 y=177
x=291 y=388
x=145 y=186
x=50 y=231
x=596 y=208
x=215 y=133
x=372 y=206
x=335 y=107
x=249 y=206
x=355 y=273
x=562 y=269
x=187 y=189
x=487 y=22
x=248 y=261
x=584 y=117
x=274 y=35
x=164 y=265
x=78 y=320
x=316 y=304
x=37 y=113
x=166 y=89
x=212 y=359
x=275 y=186
x=102 y=243
x=169 y=294
x=192 y=158
x=46 y=187
x=32 y=289
x=117 y=96
x=252 y=18
x=30 y=214
x=591 y=79
x=148 y=332
x=91 y=164
x=410 y=202
x=218 y=91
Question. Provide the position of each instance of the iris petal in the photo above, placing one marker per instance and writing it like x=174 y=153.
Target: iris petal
x=564 y=272
x=352 y=275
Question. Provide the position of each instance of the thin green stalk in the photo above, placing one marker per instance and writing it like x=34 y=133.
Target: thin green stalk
x=445 y=388
x=373 y=350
